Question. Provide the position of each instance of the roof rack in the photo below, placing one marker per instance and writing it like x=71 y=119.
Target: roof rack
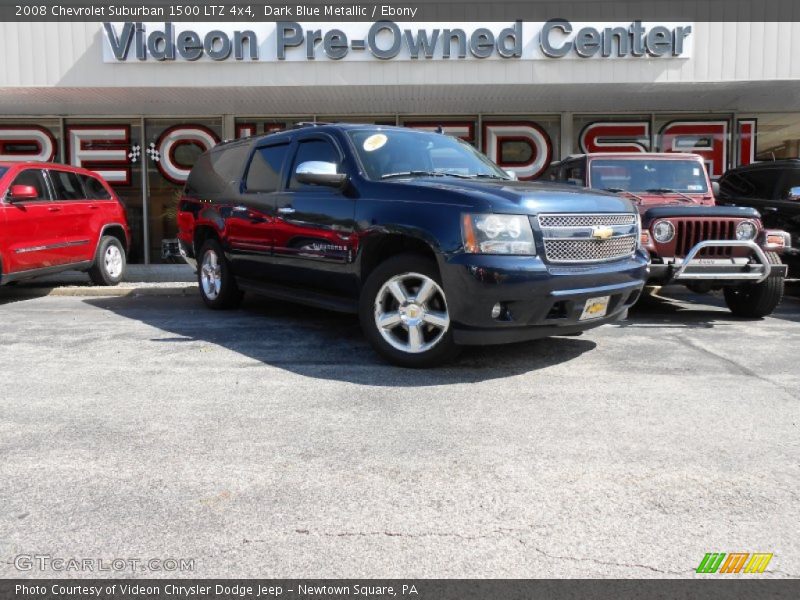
x=302 y=124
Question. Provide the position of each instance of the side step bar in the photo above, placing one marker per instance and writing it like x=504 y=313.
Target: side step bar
x=304 y=296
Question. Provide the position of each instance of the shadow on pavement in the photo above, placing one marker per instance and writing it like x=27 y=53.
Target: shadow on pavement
x=16 y=293
x=685 y=310
x=326 y=345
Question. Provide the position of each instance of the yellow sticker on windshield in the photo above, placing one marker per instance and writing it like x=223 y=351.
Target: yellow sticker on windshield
x=375 y=141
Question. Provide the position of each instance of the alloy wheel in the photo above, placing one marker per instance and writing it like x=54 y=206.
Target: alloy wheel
x=113 y=261
x=211 y=275
x=411 y=313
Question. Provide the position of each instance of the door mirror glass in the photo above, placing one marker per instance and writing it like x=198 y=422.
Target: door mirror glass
x=317 y=172
x=715 y=188
x=794 y=193
x=23 y=192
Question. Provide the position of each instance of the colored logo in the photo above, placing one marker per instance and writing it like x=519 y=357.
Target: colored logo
x=602 y=233
x=735 y=562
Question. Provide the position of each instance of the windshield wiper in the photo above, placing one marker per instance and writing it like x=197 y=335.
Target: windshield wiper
x=614 y=190
x=423 y=174
x=487 y=176
x=670 y=191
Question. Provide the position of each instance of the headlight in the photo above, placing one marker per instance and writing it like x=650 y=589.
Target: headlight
x=663 y=232
x=746 y=230
x=497 y=234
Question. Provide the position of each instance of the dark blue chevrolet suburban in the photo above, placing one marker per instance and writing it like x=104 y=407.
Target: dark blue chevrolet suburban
x=427 y=240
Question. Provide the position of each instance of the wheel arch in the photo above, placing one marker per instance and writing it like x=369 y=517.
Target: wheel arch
x=203 y=232
x=115 y=230
x=378 y=248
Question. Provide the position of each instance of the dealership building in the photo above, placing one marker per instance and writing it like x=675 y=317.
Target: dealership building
x=139 y=101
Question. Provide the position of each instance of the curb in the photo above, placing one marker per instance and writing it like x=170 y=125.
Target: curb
x=115 y=292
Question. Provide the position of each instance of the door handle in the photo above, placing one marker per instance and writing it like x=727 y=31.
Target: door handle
x=53 y=209
x=770 y=209
x=93 y=206
x=286 y=210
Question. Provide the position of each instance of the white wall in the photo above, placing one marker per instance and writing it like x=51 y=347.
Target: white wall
x=70 y=55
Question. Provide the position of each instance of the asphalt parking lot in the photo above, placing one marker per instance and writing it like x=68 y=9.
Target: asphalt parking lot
x=270 y=441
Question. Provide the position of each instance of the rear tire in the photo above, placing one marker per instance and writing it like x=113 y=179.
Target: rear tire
x=215 y=278
x=757 y=300
x=406 y=296
x=109 y=262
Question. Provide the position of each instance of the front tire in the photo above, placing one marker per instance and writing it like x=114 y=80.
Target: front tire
x=109 y=262
x=757 y=300
x=215 y=278
x=404 y=315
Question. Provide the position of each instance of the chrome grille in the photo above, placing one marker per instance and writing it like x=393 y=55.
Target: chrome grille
x=585 y=220
x=589 y=250
x=689 y=232
x=577 y=238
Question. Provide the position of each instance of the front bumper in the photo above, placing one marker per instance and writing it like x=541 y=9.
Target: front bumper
x=691 y=268
x=538 y=300
x=187 y=253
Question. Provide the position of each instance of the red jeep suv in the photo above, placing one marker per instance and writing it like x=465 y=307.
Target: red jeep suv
x=56 y=218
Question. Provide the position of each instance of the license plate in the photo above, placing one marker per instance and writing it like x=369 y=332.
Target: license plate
x=595 y=308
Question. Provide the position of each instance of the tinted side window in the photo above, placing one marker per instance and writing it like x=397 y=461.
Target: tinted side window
x=264 y=172
x=35 y=178
x=66 y=186
x=759 y=183
x=733 y=185
x=321 y=150
x=574 y=173
x=94 y=189
x=792 y=180
x=229 y=162
x=763 y=182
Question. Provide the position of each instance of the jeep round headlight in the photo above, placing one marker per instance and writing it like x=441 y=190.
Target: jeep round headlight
x=746 y=230
x=663 y=232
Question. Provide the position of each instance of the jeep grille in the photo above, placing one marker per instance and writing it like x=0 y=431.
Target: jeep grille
x=570 y=238
x=689 y=232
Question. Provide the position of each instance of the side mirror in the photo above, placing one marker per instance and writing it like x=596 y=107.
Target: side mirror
x=18 y=193
x=317 y=172
x=794 y=193
x=715 y=188
x=512 y=174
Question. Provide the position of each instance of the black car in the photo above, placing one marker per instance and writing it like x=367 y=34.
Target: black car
x=773 y=188
x=427 y=240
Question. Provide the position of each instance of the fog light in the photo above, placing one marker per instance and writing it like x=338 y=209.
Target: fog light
x=746 y=230
x=497 y=310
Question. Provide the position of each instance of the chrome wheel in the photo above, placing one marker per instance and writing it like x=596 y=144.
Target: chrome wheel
x=211 y=275
x=113 y=261
x=411 y=313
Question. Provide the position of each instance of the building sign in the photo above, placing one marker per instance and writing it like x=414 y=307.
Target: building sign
x=135 y=42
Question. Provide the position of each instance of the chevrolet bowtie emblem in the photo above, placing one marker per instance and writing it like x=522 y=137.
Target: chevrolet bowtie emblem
x=602 y=233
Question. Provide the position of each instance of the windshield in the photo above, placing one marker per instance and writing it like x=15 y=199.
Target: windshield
x=394 y=153
x=643 y=175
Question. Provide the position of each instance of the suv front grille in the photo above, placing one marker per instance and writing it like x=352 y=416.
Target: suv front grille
x=585 y=220
x=589 y=250
x=574 y=238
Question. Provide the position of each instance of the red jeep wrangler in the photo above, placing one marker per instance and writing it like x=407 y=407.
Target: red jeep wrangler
x=690 y=239
x=56 y=218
